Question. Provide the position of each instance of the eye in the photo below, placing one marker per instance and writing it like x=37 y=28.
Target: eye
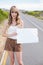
x=12 y=11
x=15 y=12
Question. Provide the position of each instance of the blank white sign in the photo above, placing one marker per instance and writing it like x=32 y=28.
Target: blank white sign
x=27 y=35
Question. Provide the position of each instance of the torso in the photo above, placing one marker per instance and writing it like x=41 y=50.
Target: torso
x=11 y=29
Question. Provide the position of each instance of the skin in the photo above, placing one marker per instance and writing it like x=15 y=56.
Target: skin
x=11 y=53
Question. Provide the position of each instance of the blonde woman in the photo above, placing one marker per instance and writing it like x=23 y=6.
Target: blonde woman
x=11 y=43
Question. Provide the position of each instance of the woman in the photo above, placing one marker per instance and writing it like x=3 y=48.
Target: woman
x=11 y=43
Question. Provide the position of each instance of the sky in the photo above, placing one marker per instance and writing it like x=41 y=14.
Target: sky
x=22 y=4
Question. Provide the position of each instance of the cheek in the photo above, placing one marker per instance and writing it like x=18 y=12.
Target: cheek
x=15 y=14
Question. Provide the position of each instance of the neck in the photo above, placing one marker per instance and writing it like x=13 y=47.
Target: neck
x=14 y=19
x=13 y=22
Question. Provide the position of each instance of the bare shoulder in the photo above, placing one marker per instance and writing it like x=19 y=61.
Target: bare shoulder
x=22 y=23
x=5 y=25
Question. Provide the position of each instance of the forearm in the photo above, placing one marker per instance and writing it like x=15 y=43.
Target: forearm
x=8 y=35
x=13 y=34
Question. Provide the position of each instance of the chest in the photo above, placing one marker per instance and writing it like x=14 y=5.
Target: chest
x=11 y=29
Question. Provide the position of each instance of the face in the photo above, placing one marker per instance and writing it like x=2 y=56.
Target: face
x=14 y=13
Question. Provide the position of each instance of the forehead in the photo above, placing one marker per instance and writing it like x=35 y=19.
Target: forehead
x=14 y=9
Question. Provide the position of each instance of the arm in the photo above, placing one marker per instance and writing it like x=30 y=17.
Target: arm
x=4 y=29
x=4 y=34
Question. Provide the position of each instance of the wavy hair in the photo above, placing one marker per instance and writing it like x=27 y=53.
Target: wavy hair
x=10 y=17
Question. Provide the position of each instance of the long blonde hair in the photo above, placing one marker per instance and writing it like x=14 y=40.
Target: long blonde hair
x=10 y=17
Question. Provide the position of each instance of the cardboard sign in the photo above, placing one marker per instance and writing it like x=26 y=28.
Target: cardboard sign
x=27 y=35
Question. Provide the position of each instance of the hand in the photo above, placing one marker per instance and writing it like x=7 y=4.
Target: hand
x=4 y=35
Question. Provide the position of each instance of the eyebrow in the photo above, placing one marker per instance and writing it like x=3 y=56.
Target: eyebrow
x=13 y=11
